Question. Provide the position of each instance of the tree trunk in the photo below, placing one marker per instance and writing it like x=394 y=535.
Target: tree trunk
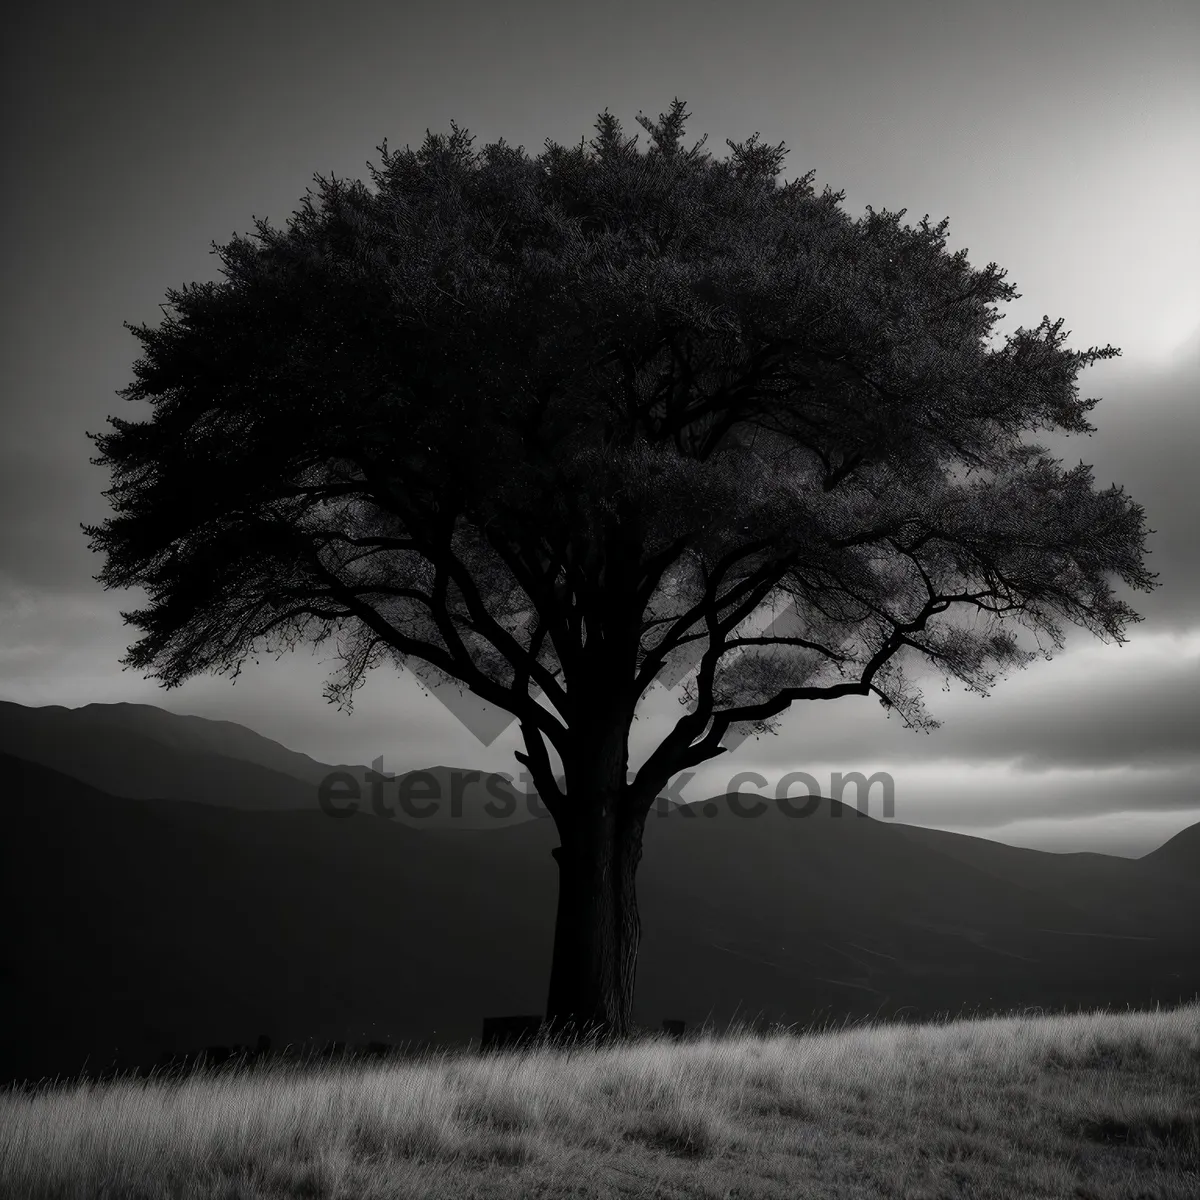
x=597 y=929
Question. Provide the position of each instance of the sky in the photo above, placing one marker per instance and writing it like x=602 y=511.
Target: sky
x=1061 y=139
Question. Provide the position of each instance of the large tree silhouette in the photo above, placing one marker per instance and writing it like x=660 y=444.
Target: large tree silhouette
x=558 y=426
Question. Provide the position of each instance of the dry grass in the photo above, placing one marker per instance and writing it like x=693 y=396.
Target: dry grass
x=1093 y=1106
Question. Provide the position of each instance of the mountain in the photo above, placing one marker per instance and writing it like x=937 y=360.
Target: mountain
x=1178 y=856
x=1117 y=888
x=142 y=752
x=854 y=915
x=141 y=927
x=149 y=925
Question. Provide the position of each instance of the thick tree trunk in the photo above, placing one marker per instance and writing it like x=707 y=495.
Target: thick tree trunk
x=597 y=929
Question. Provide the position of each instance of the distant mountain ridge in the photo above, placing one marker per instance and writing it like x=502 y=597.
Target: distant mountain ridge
x=143 y=752
x=147 y=925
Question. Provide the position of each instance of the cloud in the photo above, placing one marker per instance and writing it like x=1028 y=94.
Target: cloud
x=1090 y=705
x=1099 y=731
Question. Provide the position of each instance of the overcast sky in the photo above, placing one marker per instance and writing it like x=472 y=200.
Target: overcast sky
x=1062 y=140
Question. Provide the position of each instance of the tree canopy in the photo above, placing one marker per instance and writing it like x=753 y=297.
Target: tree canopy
x=560 y=427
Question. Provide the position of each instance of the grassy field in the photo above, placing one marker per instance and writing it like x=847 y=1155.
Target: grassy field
x=1096 y=1106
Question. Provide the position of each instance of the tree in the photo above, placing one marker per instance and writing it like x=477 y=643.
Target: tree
x=553 y=426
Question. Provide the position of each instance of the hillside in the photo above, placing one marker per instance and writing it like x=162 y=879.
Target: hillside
x=151 y=925
x=143 y=752
x=1178 y=856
